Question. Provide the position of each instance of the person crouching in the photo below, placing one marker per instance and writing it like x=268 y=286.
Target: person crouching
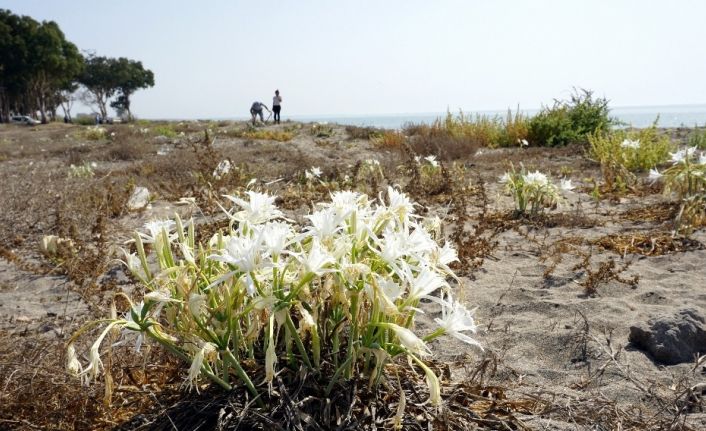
x=256 y=109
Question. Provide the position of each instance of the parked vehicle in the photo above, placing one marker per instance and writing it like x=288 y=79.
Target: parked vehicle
x=23 y=119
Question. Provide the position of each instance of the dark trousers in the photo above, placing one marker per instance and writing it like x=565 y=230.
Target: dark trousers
x=276 y=109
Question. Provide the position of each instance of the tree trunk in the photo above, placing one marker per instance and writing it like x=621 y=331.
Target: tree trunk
x=127 y=108
x=42 y=109
x=101 y=107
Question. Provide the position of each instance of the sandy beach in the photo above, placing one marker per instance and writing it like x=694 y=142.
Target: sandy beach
x=554 y=321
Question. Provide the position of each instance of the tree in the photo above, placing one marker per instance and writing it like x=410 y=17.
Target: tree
x=131 y=76
x=67 y=96
x=100 y=81
x=36 y=61
x=55 y=64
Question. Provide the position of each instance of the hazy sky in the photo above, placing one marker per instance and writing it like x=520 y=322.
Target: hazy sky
x=213 y=58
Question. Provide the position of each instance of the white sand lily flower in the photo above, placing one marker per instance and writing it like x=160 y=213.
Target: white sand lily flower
x=188 y=253
x=409 y=340
x=682 y=155
x=133 y=263
x=276 y=235
x=566 y=185
x=536 y=179
x=222 y=170
x=631 y=144
x=270 y=356
x=702 y=158
x=456 y=319
x=347 y=201
x=392 y=247
x=399 y=203
x=245 y=253
x=654 y=175
x=317 y=260
x=423 y=283
x=206 y=351
x=324 y=223
x=431 y=159
x=260 y=208
x=314 y=173
x=156 y=228
x=73 y=365
x=504 y=178
x=95 y=364
x=441 y=257
x=197 y=304
x=160 y=296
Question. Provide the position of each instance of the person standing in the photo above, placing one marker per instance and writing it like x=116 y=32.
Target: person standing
x=276 y=106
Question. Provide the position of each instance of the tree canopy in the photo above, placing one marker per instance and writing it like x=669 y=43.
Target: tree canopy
x=40 y=70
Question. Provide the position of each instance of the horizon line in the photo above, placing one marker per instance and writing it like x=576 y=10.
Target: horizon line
x=413 y=114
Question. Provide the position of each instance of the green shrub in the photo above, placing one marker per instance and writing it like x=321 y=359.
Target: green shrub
x=533 y=191
x=84 y=120
x=570 y=121
x=457 y=136
x=622 y=152
x=95 y=133
x=273 y=135
x=697 y=139
x=390 y=139
x=321 y=130
x=164 y=130
x=636 y=150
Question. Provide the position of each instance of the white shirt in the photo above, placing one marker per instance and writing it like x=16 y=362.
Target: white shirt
x=276 y=100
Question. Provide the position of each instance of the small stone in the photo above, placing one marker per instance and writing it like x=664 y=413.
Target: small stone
x=139 y=199
x=672 y=338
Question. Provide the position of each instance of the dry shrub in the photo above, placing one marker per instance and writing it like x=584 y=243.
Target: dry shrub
x=591 y=276
x=647 y=243
x=37 y=393
x=126 y=150
x=607 y=271
x=272 y=135
x=476 y=244
x=390 y=140
x=365 y=133
x=303 y=405
x=656 y=213
x=77 y=155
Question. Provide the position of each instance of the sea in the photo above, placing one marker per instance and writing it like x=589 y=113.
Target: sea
x=636 y=116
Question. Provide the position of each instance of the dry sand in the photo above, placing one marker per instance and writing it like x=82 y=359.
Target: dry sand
x=547 y=338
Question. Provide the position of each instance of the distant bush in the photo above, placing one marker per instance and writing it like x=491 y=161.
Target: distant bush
x=622 y=152
x=321 y=130
x=570 y=121
x=637 y=150
x=460 y=135
x=125 y=149
x=356 y=132
x=390 y=139
x=273 y=135
x=84 y=120
x=697 y=139
x=164 y=130
x=94 y=133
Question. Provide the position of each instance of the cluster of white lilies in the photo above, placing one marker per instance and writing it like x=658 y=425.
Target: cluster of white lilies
x=687 y=175
x=533 y=189
x=337 y=296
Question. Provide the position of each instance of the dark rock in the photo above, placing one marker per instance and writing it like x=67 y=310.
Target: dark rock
x=672 y=339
